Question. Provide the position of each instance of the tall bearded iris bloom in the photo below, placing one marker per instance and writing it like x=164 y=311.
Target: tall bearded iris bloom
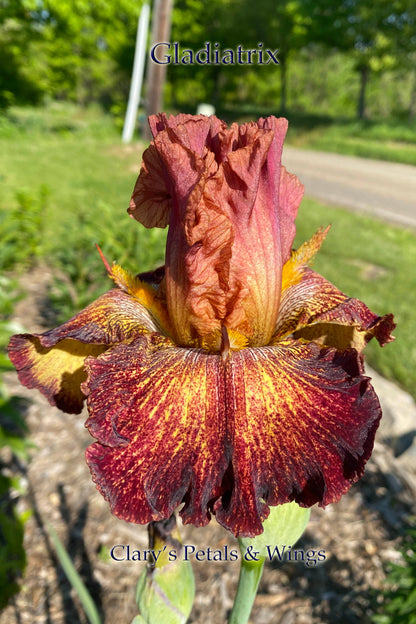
x=232 y=378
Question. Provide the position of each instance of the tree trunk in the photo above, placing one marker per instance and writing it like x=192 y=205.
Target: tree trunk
x=156 y=73
x=361 y=109
x=283 y=82
x=412 y=103
x=218 y=85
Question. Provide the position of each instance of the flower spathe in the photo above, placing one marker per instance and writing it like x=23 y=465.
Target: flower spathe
x=231 y=379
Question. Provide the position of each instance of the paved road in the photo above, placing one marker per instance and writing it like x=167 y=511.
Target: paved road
x=386 y=190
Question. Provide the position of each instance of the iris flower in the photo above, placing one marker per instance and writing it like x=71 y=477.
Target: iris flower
x=232 y=378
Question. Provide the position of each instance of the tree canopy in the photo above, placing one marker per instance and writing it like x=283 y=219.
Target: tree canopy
x=82 y=50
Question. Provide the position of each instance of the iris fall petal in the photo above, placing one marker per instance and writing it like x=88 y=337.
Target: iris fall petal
x=53 y=362
x=157 y=412
x=289 y=402
x=178 y=426
x=314 y=309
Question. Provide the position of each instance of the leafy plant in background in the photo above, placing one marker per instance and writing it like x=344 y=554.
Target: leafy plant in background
x=13 y=445
x=399 y=598
x=82 y=277
x=22 y=239
x=90 y=608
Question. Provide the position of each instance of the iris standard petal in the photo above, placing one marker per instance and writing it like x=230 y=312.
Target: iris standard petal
x=53 y=361
x=151 y=201
x=231 y=221
x=286 y=195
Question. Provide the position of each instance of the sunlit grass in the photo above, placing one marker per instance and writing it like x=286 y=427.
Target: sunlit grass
x=75 y=186
x=372 y=261
x=395 y=141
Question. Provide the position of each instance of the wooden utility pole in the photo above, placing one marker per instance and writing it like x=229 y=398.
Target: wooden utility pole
x=156 y=73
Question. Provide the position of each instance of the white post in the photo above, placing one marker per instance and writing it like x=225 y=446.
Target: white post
x=137 y=76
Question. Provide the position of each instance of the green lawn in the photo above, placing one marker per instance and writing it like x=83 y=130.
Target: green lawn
x=394 y=141
x=375 y=262
x=66 y=186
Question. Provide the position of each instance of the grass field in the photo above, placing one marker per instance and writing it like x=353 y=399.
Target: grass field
x=374 y=262
x=394 y=141
x=66 y=184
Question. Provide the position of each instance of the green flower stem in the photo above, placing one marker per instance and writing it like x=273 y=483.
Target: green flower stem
x=283 y=527
x=250 y=575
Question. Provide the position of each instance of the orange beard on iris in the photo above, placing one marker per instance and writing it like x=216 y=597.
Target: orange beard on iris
x=231 y=379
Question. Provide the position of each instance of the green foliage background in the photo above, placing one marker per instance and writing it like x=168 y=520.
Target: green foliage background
x=13 y=432
x=82 y=51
